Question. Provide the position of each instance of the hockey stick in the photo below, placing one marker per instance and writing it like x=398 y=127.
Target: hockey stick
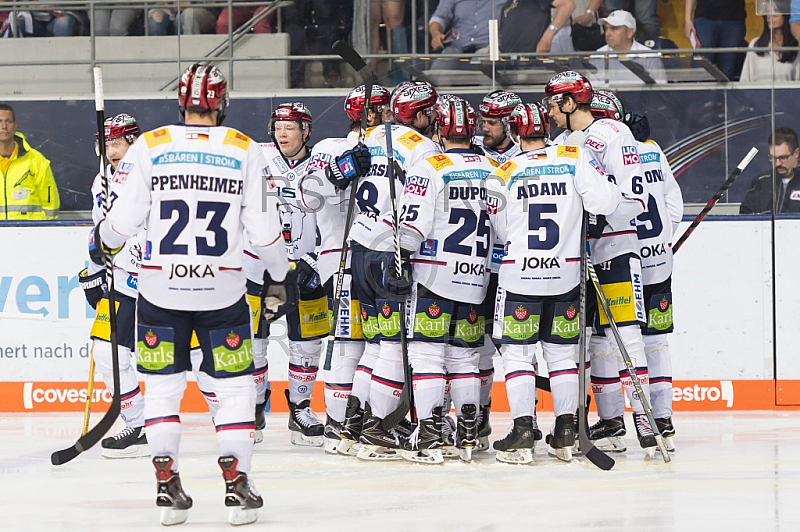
x=407 y=395
x=89 y=390
x=592 y=453
x=628 y=364
x=88 y=440
x=713 y=201
x=347 y=53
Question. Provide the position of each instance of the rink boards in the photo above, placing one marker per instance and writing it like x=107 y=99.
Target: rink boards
x=735 y=347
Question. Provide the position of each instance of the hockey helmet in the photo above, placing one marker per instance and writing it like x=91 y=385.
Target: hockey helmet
x=292 y=112
x=605 y=104
x=122 y=125
x=354 y=103
x=410 y=97
x=569 y=82
x=498 y=104
x=203 y=88
x=530 y=120
x=455 y=119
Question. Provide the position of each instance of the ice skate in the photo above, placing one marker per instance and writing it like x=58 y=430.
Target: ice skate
x=647 y=439
x=425 y=444
x=130 y=442
x=484 y=428
x=332 y=436
x=307 y=430
x=174 y=502
x=518 y=444
x=240 y=493
x=351 y=428
x=562 y=439
x=611 y=430
x=467 y=432
x=378 y=444
x=448 y=437
x=261 y=418
x=667 y=431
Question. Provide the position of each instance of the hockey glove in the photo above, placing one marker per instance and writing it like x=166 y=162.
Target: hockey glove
x=348 y=166
x=97 y=250
x=307 y=276
x=397 y=288
x=597 y=223
x=94 y=286
x=639 y=126
x=278 y=297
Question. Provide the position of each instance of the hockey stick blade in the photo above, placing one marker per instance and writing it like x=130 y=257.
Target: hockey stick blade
x=88 y=440
x=353 y=58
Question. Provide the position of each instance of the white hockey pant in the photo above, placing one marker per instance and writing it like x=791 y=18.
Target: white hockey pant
x=339 y=380
x=659 y=365
x=362 y=380
x=519 y=366
x=560 y=361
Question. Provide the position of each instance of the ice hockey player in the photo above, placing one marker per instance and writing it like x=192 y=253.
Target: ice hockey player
x=371 y=241
x=193 y=187
x=494 y=109
x=655 y=228
x=444 y=234
x=612 y=239
x=325 y=191
x=288 y=158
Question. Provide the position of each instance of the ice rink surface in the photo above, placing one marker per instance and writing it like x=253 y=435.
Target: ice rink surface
x=731 y=471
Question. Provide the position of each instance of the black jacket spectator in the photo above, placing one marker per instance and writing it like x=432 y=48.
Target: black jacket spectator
x=759 y=197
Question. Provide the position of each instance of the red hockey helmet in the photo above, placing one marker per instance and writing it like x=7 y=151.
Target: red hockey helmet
x=292 y=112
x=498 y=104
x=203 y=88
x=122 y=125
x=354 y=103
x=455 y=118
x=410 y=97
x=530 y=120
x=605 y=104
x=571 y=83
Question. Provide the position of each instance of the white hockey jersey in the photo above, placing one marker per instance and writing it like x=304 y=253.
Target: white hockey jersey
x=317 y=194
x=443 y=221
x=195 y=189
x=500 y=157
x=126 y=262
x=535 y=202
x=372 y=227
x=656 y=225
x=612 y=149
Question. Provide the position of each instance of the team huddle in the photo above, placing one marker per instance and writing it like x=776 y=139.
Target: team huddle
x=419 y=249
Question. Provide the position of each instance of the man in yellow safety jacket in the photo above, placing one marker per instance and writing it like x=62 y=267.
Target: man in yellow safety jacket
x=29 y=188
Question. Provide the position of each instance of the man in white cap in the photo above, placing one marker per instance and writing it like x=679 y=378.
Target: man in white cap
x=620 y=27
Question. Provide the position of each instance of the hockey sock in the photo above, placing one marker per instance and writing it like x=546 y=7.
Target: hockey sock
x=659 y=365
x=605 y=378
x=387 y=380
x=427 y=363
x=632 y=339
x=132 y=401
x=486 y=369
x=520 y=379
x=161 y=413
x=261 y=374
x=362 y=380
x=462 y=371
x=563 y=376
x=204 y=383
x=339 y=380
x=235 y=419
x=303 y=368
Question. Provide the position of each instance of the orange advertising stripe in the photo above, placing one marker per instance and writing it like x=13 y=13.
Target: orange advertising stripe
x=687 y=396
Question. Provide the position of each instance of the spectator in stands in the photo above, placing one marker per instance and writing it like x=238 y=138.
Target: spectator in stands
x=775 y=66
x=527 y=26
x=30 y=191
x=785 y=186
x=645 y=13
x=59 y=23
x=117 y=22
x=584 y=33
x=717 y=24
x=391 y=13
x=192 y=20
x=794 y=19
x=620 y=27
x=242 y=15
x=461 y=26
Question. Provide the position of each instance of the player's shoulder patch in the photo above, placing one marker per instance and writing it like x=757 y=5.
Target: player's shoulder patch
x=650 y=141
x=506 y=171
x=369 y=130
x=157 y=137
x=439 y=161
x=570 y=152
x=410 y=139
x=494 y=163
x=234 y=138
